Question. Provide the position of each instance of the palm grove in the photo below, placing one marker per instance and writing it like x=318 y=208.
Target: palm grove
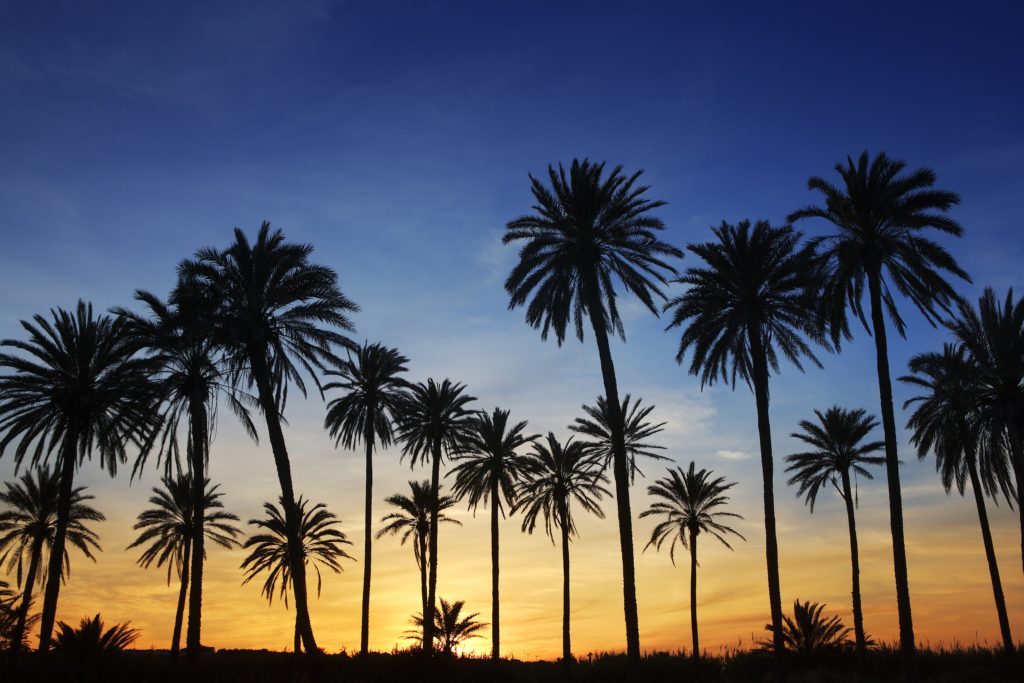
x=248 y=324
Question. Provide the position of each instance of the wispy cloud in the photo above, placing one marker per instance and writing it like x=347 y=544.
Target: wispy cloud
x=732 y=455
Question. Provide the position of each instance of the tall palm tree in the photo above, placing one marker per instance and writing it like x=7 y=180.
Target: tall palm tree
x=452 y=628
x=434 y=421
x=487 y=469
x=177 y=334
x=320 y=544
x=751 y=300
x=167 y=533
x=373 y=393
x=597 y=427
x=688 y=504
x=279 y=315
x=77 y=388
x=946 y=421
x=28 y=527
x=880 y=215
x=837 y=440
x=588 y=231
x=555 y=475
x=412 y=520
x=993 y=335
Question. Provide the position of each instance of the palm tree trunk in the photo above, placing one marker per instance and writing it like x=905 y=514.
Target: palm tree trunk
x=364 y=637
x=1017 y=460
x=858 y=615
x=56 y=565
x=26 y=597
x=268 y=405
x=990 y=555
x=495 y=613
x=198 y=421
x=422 y=540
x=296 y=638
x=182 y=593
x=564 y=524
x=892 y=465
x=693 y=595
x=621 y=470
x=428 y=617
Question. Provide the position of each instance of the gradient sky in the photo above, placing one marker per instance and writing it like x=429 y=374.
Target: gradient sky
x=397 y=138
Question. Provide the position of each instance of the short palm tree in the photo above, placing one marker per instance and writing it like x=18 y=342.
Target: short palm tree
x=589 y=231
x=555 y=475
x=880 y=215
x=809 y=632
x=9 y=619
x=487 y=469
x=434 y=421
x=993 y=335
x=279 y=314
x=688 y=504
x=373 y=393
x=76 y=389
x=946 y=421
x=450 y=626
x=596 y=428
x=321 y=543
x=752 y=299
x=167 y=533
x=837 y=440
x=412 y=521
x=93 y=638
x=28 y=527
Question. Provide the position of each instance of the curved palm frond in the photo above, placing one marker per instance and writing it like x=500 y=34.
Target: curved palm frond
x=597 y=426
x=489 y=459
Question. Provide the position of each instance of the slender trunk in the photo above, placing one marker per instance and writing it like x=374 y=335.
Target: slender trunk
x=69 y=459
x=296 y=638
x=1017 y=460
x=495 y=613
x=621 y=470
x=364 y=637
x=564 y=524
x=693 y=594
x=179 y=614
x=26 y=598
x=858 y=615
x=892 y=466
x=760 y=379
x=428 y=617
x=261 y=373
x=990 y=555
x=422 y=540
x=198 y=420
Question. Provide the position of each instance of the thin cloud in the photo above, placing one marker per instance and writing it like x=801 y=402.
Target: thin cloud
x=732 y=455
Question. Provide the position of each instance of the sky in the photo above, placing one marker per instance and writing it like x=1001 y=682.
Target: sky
x=397 y=138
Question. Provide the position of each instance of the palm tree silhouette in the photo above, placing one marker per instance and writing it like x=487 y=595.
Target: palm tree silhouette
x=177 y=334
x=837 y=440
x=434 y=420
x=78 y=389
x=320 y=544
x=278 y=315
x=946 y=421
x=487 y=469
x=365 y=413
x=753 y=299
x=993 y=335
x=597 y=427
x=412 y=520
x=8 y=618
x=809 y=632
x=555 y=475
x=451 y=627
x=28 y=528
x=588 y=230
x=688 y=505
x=168 y=533
x=93 y=637
x=879 y=214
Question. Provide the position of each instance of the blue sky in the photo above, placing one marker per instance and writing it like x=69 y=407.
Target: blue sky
x=397 y=138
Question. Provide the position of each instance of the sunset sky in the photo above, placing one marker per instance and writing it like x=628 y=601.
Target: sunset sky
x=396 y=137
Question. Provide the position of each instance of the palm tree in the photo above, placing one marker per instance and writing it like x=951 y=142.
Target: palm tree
x=92 y=638
x=486 y=470
x=808 y=632
x=412 y=520
x=78 y=389
x=993 y=335
x=434 y=420
x=366 y=413
x=167 y=532
x=880 y=214
x=28 y=528
x=177 y=334
x=586 y=232
x=837 y=440
x=451 y=627
x=753 y=299
x=688 y=504
x=278 y=315
x=555 y=475
x=597 y=426
x=947 y=422
x=320 y=544
x=8 y=618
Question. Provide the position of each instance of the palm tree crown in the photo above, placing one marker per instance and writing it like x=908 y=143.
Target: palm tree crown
x=489 y=460
x=435 y=415
x=373 y=393
x=596 y=426
x=452 y=628
x=809 y=631
x=412 y=518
